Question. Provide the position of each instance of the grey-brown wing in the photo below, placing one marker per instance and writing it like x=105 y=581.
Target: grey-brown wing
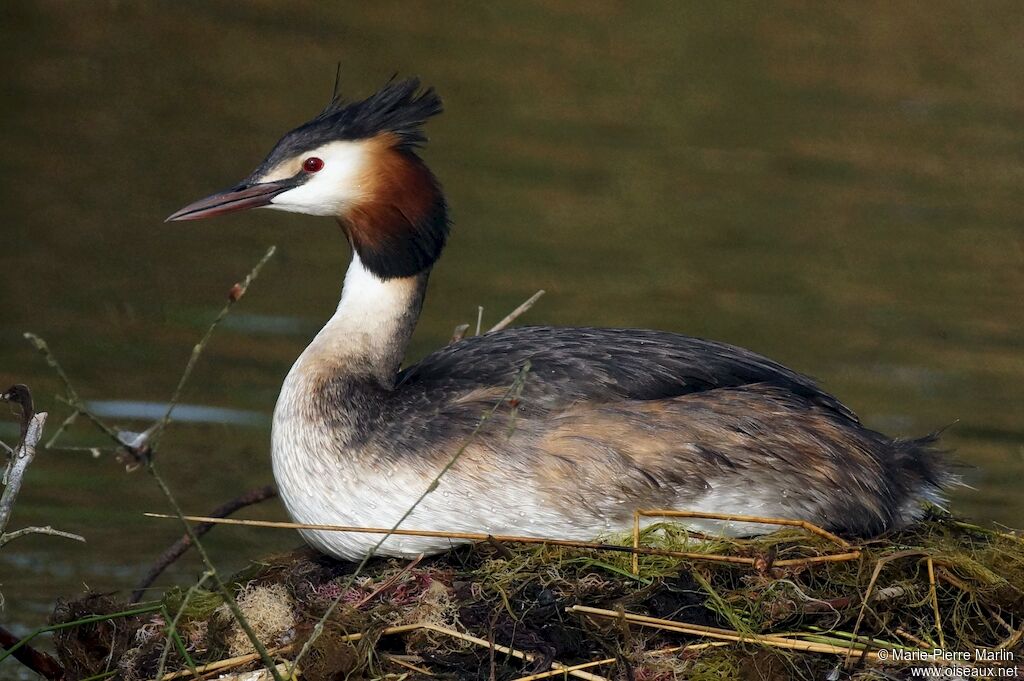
x=569 y=365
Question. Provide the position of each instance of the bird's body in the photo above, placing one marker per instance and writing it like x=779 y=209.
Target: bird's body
x=554 y=432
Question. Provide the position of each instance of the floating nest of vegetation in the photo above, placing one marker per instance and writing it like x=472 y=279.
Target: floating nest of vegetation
x=797 y=606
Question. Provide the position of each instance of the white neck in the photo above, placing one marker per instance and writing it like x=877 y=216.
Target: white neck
x=371 y=328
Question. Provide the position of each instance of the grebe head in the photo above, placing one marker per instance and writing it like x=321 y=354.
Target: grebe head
x=356 y=161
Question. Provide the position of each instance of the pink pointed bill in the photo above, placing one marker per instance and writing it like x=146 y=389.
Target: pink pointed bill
x=231 y=201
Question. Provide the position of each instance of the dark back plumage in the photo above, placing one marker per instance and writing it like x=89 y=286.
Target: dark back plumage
x=655 y=415
x=573 y=364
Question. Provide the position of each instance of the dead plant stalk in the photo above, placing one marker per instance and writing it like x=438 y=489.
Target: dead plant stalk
x=771 y=640
x=21 y=458
x=515 y=539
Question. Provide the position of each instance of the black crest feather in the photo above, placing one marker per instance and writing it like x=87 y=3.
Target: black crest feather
x=400 y=108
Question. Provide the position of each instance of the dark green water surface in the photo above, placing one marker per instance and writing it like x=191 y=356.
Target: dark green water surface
x=838 y=186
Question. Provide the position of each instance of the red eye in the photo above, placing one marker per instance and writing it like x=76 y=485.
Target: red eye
x=312 y=164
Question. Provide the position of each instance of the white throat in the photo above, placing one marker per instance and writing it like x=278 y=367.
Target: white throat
x=370 y=330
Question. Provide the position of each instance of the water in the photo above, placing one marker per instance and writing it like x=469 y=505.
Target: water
x=837 y=187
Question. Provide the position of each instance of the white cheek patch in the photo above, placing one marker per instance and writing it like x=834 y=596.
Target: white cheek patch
x=332 y=188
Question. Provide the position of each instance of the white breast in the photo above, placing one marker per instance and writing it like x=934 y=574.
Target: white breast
x=322 y=483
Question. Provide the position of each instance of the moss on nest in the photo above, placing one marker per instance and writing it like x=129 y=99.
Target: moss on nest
x=517 y=595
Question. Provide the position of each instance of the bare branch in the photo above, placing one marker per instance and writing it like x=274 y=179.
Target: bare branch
x=23 y=455
x=11 y=536
x=514 y=314
x=36 y=660
x=68 y=422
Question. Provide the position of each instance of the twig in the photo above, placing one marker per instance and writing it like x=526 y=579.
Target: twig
x=24 y=453
x=460 y=331
x=636 y=542
x=772 y=640
x=505 y=650
x=920 y=643
x=388 y=583
x=828 y=635
x=562 y=671
x=36 y=660
x=221 y=665
x=502 y=550
x=814 y=560
x=65 y=424
x=514 y=539
x=516 y=313
x=11 y=536
x=178 y=548
x=611 y=660
x=736 y=517
x=408 y=665
x=691 y=647
x=31 y=432
x=1012 y=536
x=1012 y=641
x=935 y=601
x=949 y=578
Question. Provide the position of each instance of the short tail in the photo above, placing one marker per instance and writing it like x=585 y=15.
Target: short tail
x=921 y=472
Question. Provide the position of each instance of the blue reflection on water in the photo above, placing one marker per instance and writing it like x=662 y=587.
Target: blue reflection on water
x=190 y=413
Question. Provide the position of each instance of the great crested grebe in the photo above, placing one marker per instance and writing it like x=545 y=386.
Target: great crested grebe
x=608 y=420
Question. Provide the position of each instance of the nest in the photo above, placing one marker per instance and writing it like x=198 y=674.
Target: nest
x=506 y=611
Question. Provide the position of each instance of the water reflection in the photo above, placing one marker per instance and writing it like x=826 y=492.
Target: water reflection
x=838 y=187
x=274 y=325
x=183 y=413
